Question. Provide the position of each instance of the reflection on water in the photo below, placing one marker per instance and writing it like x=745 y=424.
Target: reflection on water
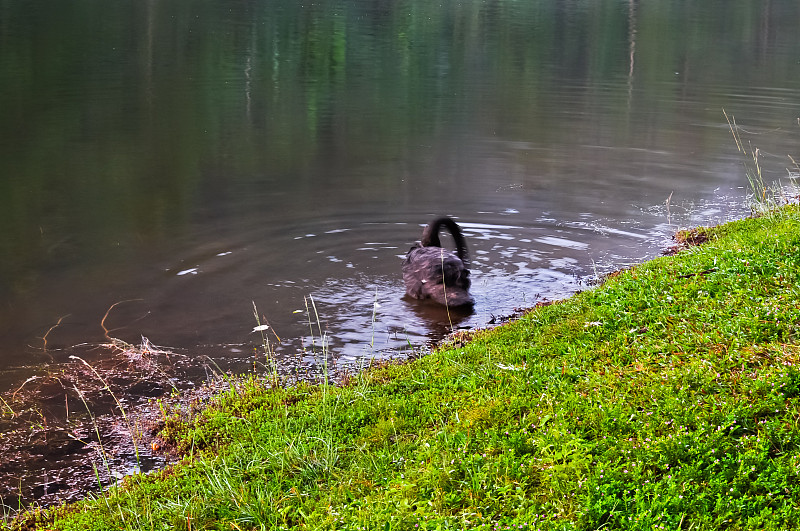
x=187 y=160
x=202 y=160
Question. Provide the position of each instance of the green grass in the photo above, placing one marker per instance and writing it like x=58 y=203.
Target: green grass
x=667 y=398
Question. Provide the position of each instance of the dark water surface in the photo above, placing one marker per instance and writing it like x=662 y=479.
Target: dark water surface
x=189 y=159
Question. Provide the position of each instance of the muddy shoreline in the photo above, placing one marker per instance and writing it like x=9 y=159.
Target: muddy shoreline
x=77 y=426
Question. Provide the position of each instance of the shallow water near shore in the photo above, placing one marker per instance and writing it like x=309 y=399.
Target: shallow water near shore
x=166 y=167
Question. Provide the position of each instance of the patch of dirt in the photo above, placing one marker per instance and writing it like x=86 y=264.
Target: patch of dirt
x=685 y=239
x=517 y=313
x=460 y=338
x=598 y=281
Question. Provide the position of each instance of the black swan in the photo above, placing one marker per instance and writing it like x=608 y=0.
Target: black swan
x=431 y=272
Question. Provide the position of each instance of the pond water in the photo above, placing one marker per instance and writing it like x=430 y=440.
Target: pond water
x=166 y=166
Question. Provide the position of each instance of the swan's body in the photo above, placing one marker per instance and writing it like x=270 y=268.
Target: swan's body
x=431 y=272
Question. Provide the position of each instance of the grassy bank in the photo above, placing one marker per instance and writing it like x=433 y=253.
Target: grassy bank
x=667 y=398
